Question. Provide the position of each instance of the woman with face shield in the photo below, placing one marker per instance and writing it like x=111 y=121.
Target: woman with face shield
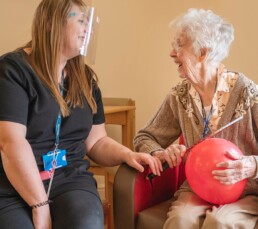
x=51 y=116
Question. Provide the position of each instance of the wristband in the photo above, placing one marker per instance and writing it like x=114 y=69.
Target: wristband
x=41 y=204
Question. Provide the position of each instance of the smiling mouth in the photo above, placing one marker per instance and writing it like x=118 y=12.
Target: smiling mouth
x=178 y=64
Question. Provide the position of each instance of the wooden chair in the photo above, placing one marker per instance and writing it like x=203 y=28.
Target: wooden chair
x=106 y=200
x=121 y=111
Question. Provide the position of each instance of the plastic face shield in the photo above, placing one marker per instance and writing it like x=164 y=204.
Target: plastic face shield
x=90 y=23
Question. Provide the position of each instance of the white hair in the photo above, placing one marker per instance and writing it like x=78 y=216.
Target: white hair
x=206 y=30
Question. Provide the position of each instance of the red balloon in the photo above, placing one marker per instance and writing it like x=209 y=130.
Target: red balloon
x=200 y=163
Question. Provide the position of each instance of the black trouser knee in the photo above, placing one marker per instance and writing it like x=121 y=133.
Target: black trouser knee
x=77 y=210
x=19 y=218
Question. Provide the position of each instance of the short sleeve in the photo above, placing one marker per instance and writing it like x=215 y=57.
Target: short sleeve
x=98 y=117
x=13 y=96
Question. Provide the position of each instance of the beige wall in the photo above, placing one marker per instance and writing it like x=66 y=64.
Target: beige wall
x=134 y=43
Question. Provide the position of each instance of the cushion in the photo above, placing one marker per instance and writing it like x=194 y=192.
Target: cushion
x=153 y=217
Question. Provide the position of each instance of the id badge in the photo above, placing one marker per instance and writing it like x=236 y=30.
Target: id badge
x=50 y=157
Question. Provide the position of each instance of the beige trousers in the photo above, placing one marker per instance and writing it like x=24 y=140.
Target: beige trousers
x=188 y=211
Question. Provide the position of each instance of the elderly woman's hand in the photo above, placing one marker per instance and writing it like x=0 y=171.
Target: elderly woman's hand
x=172 y=155
x=235 y=170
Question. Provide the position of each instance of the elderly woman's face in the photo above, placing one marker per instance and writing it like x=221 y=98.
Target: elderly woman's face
x=74 y=32
x=185 y=57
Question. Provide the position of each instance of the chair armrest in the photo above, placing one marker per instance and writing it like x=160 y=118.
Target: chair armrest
x=123 y=197
x=133 y=192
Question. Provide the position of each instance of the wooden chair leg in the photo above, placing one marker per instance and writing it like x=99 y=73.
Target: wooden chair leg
x=106 y=200
x=107 y=213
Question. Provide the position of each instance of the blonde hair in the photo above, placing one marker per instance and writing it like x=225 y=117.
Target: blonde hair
x=46 y=43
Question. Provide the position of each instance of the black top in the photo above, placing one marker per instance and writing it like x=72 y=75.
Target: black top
x=25 y=100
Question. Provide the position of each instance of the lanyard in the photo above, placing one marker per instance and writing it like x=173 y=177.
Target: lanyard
x=59 y=117
x=206 y=120
x=57 y=135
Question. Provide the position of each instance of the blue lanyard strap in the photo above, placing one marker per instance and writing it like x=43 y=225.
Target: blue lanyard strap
x=59 y=117
x=57 y=133
x=206 y=120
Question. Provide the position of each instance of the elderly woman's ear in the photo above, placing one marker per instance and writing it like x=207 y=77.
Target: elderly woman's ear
x=204 y=52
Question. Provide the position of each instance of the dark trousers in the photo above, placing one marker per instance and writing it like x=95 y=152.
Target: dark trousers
x=72 y=210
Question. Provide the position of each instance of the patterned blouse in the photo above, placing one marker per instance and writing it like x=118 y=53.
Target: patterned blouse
x=225 y=83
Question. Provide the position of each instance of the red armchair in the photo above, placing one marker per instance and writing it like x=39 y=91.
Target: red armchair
x=142 y=203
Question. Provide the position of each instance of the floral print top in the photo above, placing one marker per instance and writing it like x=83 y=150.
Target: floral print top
x=225 y=83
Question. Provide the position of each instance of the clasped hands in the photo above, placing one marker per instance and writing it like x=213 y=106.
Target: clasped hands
x=229 y=172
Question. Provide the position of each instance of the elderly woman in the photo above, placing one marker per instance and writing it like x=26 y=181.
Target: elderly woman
x=207 y=98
